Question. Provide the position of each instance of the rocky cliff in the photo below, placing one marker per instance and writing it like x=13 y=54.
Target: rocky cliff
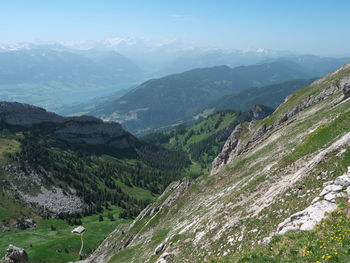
x=83 y=129
x=270 y=174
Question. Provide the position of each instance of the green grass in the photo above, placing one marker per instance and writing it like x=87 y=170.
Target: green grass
x=328 y=242
x=42 y=244
x=319 y=138
x=10 y=209
x=125 y=255
x=137 y=192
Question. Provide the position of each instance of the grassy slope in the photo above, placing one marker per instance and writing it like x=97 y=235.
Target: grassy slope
x=202 y=141
x=227 y=201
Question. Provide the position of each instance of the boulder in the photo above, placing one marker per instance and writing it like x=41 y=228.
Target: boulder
x=331 y=188
x=308 y=218
x=343 y=180
x=158 y=249
x=15 y=255
x=330 y=197
x=26 y=224
x=5 y=229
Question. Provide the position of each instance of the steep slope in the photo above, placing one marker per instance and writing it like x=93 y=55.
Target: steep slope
x=267 y=171
x=165 y=101
x=205 y=139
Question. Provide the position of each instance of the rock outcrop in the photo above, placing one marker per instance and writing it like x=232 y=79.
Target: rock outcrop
x=173 y=193
x=320 y=206
x=54 y=199
x=28 y=223
x=233 y=148
x=15 y=255
x=229 y=149
x=345 y=87
x=308 y=102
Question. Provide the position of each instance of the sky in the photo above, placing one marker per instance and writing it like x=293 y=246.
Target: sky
x=306 y=26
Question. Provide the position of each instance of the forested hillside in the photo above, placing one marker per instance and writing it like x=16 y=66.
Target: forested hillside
x=55 y=182
x=204 y=140
x=162 y=103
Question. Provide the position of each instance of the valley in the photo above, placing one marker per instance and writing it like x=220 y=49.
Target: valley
x=174 y=131
x=58 y=172
x=196 y=184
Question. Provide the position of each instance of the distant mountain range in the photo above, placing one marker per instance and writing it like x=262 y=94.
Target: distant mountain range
x=161 y=103
x=51 y=77
x=315 y=65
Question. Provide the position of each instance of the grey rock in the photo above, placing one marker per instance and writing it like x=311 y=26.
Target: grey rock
x=228 y=149
x=259 y=133
x=345 y=87
x=316 y=199
x=330 y=197
x=163 y=258
x=308 y=102
x=15 y=255
x=96 y=132
x=5 y=229
x=348 y=192
x=28 y=223
x=308 y=218
x=158 y=249
x=343 y=180
x=331 y=188
x=54 y=200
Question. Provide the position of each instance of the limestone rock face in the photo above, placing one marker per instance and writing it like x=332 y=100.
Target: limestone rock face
x=228 y=150
x=259 y=133
x=233 y=148
x=345 y=86
x=308 y=218
x=312 y=215
x=15 y=255
x=308 y=102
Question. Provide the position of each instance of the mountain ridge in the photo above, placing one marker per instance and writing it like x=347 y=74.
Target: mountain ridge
x=274 y=168
x=165 y=101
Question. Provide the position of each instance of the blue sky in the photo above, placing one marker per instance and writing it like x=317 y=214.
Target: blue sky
x=306 y=26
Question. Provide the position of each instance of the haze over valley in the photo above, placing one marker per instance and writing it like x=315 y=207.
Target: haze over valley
x=165 y=132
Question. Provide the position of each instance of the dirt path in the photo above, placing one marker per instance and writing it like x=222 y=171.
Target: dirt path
x=82 y=244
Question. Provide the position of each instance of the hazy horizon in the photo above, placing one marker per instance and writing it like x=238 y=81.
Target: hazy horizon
x=312 y=27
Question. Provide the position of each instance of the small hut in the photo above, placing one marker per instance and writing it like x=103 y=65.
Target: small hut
x=78 y=230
